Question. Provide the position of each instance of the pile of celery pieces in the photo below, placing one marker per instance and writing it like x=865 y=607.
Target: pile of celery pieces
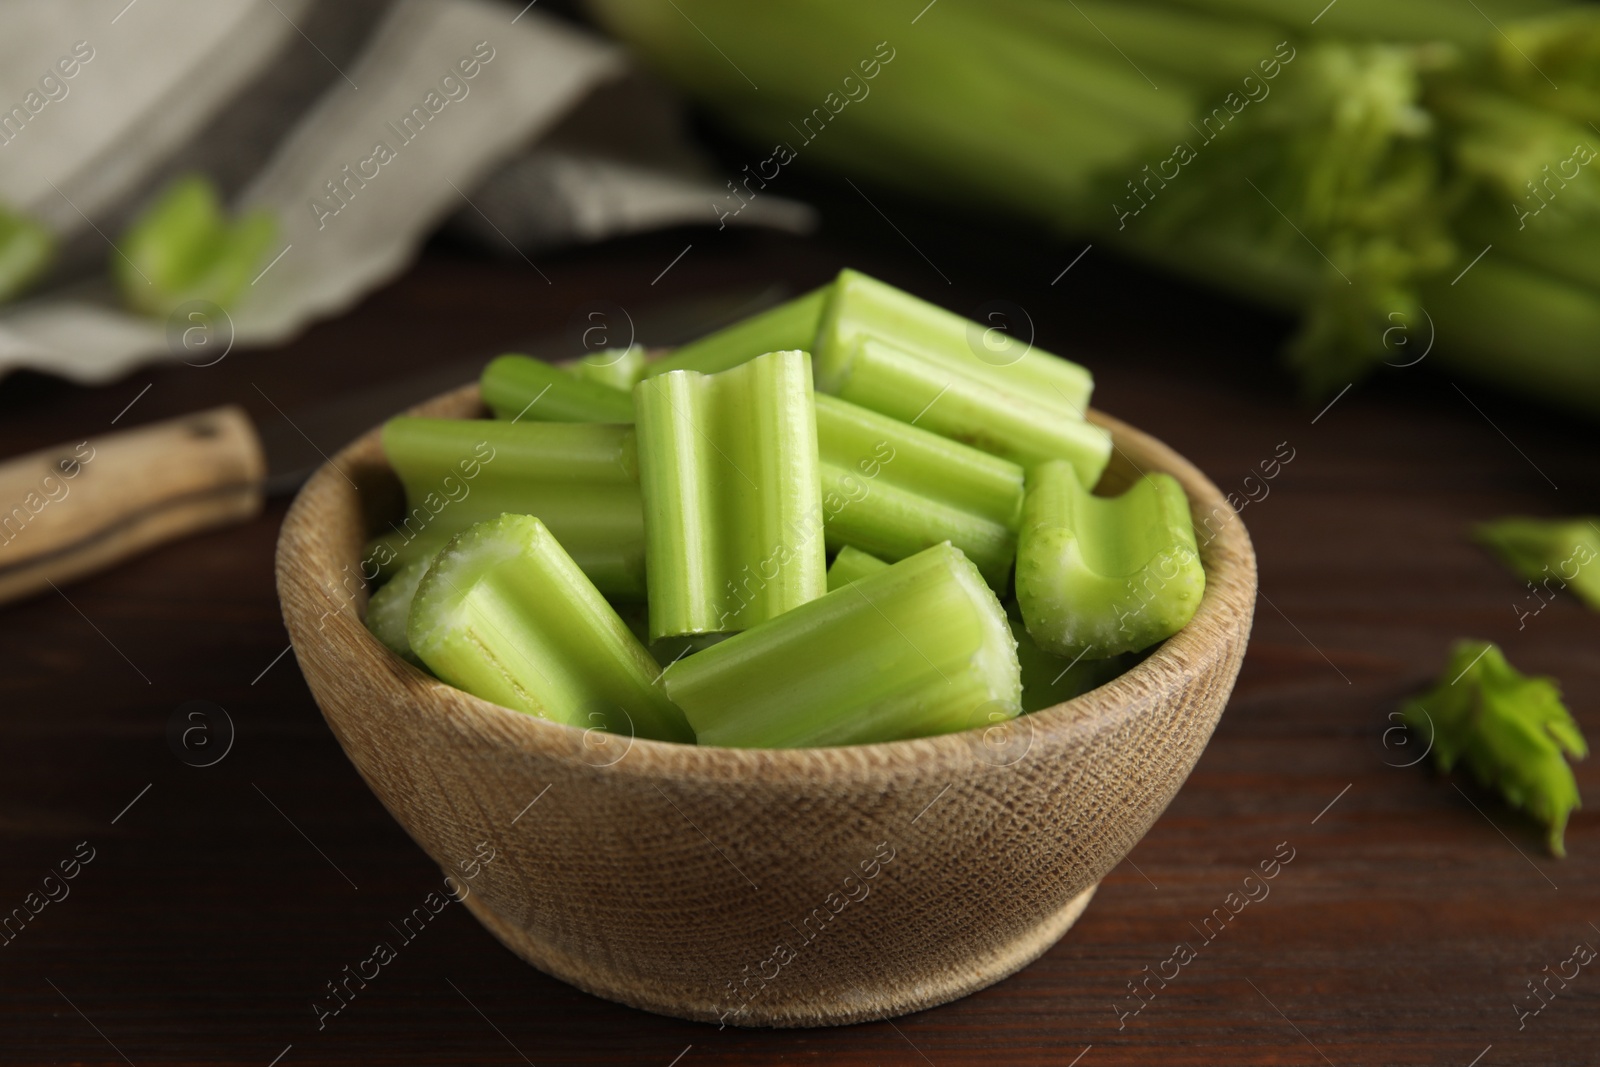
x=644 y=545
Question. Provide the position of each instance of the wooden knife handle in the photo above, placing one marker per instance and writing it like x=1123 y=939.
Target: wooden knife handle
x=84 y=505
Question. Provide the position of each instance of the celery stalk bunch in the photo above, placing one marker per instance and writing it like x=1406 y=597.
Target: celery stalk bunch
x=1407 y=177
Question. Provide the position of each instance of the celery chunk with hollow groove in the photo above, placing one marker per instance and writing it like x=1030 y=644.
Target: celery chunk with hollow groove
x=975 y=382
x=921 y=647
x=892 y=489
x=850 y=564
x=505 y=614
x=620 y=368
x=523 y=389
x=580 y=479
x=390 y=607
x=728 y=473
x=789 y=326
x=1098 y=576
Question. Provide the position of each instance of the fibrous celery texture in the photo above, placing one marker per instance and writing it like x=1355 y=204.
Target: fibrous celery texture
x=888 y=351
x=921 y=647
x=789 y=326
x=1099 y=576
x=850 y=564
x=728 y=470
x=523 y=389
x=892 y=490
x=1510 y=730
x=390 y=607
x=505 y=614
x=580 y=479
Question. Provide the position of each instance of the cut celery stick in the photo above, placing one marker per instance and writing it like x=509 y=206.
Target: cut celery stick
x=620 y=368
x=581 y=479
x=791 y=325
x=893 y=489
x=850 y=564
x=528 y=390
x=390 y=606
x=505 y=614
x=728 y=470
x=919 y=648
x=990 y=387
x=1098 y=576
x=1048 y=680
x=1022 y=426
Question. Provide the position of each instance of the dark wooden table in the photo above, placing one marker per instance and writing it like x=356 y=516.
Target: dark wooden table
x=220 y=900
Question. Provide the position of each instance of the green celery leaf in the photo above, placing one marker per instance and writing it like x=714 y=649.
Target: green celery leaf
x=1542 y=549
x=1509 y=729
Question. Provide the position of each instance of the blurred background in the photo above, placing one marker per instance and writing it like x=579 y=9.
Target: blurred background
x=1360 y=233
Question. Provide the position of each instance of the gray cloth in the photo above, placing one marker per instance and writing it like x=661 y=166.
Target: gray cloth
x=551 y=140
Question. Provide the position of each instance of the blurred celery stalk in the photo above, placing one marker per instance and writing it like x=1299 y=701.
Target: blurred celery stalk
x=26 y=248
x=183 y=247
x=1348 y=168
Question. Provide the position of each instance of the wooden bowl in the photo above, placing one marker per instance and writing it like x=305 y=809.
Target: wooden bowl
x=786 y=887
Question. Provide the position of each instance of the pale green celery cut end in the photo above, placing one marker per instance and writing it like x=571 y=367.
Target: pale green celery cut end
x=505 y=614
x=862 y=308
x=1018 y=425
x=729 y=474
x=893 y=489
x=620 y=368
x=789 y=326
x=1100 y=576
x=1509 y=729
x=523 y=389
x=1554 y=554
x=918 y=648
x=390 y=607
x=1048 y=680
x=850 y=564
x=580 y=479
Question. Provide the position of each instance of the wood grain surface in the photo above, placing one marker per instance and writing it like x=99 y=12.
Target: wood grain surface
x=220 y=901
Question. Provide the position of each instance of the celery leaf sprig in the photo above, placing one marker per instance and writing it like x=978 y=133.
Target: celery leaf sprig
x=1566 y=551
x=1509 y=729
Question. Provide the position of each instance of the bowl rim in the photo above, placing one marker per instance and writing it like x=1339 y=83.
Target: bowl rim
x=1226 y=608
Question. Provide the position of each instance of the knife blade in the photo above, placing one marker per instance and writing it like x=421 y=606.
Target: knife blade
x=81 y=506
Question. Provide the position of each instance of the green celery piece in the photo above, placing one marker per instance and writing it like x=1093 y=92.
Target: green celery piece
x=893 y=489
x=921 y=647
x=505 y=614
x=26 y=248
x=620 y=368
x=518 y=387
x=581 y=479
x=184 y=248
x=1099 y=576
x=889 y=351
x=1509 y=729
x=1012 y=425
x=390 y=607
x=728 y=469
x=850 y=564
x=1542 y=549
x=789 y=326
x=1048 y=680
